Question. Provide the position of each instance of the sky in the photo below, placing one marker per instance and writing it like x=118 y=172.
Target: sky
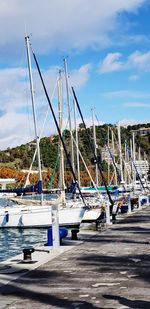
x=107 y=48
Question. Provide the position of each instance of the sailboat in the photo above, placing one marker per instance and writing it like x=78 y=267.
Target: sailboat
x=31 y=213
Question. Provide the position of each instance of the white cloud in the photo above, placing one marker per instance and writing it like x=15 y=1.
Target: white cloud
x=63 y=24
x=79 y=77
x=14 y=130
x=55 y=26
x=111 y=63
x=137 y=60
x=136 y=104
x=137 y=38
x=126 y=94
x=12 y=87
x=16 y=122
x=134 y=77
x=126 y=122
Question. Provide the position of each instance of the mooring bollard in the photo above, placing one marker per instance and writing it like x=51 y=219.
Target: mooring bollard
x=63 y=232
x=114 y=218
x=74 y=233
x=27 y=254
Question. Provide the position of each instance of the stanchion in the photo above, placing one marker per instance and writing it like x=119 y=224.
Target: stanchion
x=108 y=213
x=129 y=204
x=55 y=227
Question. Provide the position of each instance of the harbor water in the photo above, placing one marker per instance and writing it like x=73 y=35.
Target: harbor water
x=13 y=241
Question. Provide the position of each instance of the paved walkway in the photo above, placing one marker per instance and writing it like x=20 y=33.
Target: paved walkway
x=109 y=269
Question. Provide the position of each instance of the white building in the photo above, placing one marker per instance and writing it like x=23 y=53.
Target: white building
x=142 y=167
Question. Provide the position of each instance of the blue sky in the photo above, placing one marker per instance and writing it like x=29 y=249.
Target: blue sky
x=107 y=45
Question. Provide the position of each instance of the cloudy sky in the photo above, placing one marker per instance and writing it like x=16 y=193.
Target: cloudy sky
x=107 y=47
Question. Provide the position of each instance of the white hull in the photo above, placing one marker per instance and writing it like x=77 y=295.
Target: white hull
x=91 y=215
x=38 y=216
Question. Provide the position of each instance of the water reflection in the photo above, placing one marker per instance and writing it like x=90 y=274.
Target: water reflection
x=13 y=241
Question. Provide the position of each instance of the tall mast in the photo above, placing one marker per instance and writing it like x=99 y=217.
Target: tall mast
x=133 y=136
x=133 y=142
x=131 y=158
x=131 y=149
x=120 y=151
x=33 y=109
x=77 y=143
x=69 y=112
x=57 y=126
x=125 y=162
x=108 y=157
x=139 y=153
x=113 y=147
x=62 y=181
x=95 y=148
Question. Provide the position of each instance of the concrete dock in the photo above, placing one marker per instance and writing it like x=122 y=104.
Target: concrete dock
x=108 y=269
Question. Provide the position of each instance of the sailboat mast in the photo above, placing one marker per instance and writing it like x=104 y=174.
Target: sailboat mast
x=113 y=147
x=108 y=157
x=57 y=126
x=120 y=151
x=33 y=106
x=92 y=148
x=134 y=151
x=95 y=147
x=69 y=112
x=139 y=153
x=77 y=143
x=133 y=143
x=62 y=181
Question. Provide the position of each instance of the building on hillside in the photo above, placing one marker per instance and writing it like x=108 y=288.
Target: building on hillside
x=107 y=155
x=142 y=131
x=141 y=166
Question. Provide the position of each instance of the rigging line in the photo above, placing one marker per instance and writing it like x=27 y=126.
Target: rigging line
x=55 y=166
x=93 y=150
x=53 y=173
x=57 y=126
x=56 y=163
x=117 y=170
x=136 y=168
x=70 y=90
x=35 y=152
x=112 y=157
x=93 y=183
x=131 y=159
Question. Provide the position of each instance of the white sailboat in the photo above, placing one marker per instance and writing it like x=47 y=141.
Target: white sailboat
x=31 y=214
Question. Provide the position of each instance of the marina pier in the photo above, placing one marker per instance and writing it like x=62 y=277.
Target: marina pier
x=108 y=269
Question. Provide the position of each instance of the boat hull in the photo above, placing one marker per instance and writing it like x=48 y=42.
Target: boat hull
x=91 y=215
x=39 y=216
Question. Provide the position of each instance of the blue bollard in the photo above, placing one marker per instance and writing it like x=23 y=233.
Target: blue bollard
x=63 y=232
x=49 y=237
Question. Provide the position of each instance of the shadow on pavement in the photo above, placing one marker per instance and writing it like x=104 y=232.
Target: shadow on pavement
x=137 y=304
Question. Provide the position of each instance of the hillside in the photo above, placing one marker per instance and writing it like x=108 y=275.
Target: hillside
x=13 y=161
